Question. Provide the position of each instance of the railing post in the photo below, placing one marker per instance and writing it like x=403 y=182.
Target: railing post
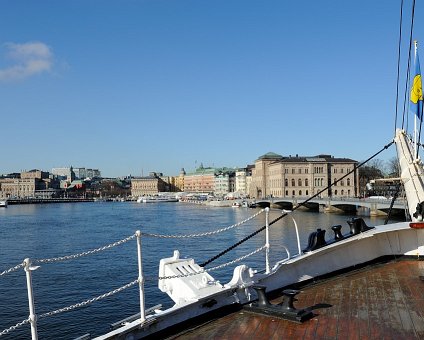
x=32 y=316
x=267 y=269
x=140 y=277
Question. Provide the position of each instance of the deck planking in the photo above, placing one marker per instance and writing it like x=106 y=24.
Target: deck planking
x=383 y=301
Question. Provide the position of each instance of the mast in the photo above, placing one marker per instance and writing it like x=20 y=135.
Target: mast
x=412 y=175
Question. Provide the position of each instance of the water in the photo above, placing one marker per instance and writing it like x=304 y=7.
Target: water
x=44 y=231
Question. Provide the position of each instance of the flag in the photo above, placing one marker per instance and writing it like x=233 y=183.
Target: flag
x=416 y=99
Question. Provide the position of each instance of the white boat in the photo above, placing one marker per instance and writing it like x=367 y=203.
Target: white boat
x=3 y=203
x=195 y=292
x=156 y=199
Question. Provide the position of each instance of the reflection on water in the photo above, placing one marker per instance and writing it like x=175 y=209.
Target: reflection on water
x=43 y=231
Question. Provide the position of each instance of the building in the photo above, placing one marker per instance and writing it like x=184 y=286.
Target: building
x=30 y=184
x=148 y=185
x=202 y=180
x=278 y=176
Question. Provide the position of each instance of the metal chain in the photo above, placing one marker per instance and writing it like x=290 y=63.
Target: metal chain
x=15 y=327
x=84 y=303
x=206 y=270
x=86 y=253
x=10 y=270
x=209 y=233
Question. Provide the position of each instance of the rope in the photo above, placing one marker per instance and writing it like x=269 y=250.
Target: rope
x=409 y=62
x=294 y=208
x=86 y=253
x=10 y=270
x=15 y=327
x=206 y=233
x=395 y=195
x=84 y=303
x=398 y=63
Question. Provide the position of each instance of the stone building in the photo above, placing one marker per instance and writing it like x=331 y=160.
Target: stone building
x=30 y=184
x=278 y=176
x=148 y=185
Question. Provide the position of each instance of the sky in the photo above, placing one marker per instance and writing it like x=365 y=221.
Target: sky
x=130 y=87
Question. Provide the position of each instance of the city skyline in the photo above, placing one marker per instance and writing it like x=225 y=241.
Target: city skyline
x=141 y=86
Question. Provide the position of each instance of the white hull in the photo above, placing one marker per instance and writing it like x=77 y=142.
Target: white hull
x=386 y=240
x=3 y=203
x=194 y=293
x=156 y=199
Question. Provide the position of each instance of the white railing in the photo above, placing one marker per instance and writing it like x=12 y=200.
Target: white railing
x=29 y=266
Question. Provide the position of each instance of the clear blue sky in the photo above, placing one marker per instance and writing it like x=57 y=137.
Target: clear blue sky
x=157 y=85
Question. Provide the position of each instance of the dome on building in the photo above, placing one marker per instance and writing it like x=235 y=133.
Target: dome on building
x=271 y=155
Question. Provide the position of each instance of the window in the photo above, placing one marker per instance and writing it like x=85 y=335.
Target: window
x=348 y=182
x=335 y=192
x=286 y=182
x=299 y=182
x=300 y=192
x=335 y=182
x=307 y=192
x=293 y=193
x=287 y=192
x=292 y=171
x=306 y=182
x=293 y=182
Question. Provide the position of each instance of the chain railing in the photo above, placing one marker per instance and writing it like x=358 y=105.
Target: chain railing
x=89 y=301
x=208 y=233
x=12 y=328
x=28 y=266
x=85 y=253
x=13 y=269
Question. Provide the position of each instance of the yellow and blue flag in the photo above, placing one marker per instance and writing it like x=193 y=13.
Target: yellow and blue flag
x=416 y=98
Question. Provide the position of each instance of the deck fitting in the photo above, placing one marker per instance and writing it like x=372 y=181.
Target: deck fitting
x=285 y=310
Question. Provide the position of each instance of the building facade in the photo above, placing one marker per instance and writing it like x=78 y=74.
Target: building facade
x=278 y=176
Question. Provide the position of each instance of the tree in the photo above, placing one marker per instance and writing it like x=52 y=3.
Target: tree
x=393 y=168
x=372 y=170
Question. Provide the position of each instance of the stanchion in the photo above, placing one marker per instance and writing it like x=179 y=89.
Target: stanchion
x=32 y=316
x=140 y=277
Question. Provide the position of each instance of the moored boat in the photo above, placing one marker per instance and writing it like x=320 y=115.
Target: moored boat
x=156 y=199
x=3 y=203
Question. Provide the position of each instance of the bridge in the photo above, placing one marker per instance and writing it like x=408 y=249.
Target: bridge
x=375 y=207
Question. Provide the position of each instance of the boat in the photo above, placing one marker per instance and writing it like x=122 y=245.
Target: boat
x=196 y=293
x=236 y=205
x=156 y=199
x=199 y=298
x=3 y=203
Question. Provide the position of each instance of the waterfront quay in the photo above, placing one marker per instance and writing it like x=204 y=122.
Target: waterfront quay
x=47 y=200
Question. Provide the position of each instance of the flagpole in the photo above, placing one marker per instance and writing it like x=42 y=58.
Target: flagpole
x=415 y=116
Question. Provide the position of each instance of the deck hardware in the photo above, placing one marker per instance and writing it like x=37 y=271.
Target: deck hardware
x=316 y=240
x=337 y=232
x=358 y=225
x=285 y=310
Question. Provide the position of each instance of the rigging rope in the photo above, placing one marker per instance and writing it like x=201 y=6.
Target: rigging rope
x=294 y=208
x=398 y=63
x=409 y=64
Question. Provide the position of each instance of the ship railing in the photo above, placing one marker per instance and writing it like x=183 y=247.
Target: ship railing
x=31 y=265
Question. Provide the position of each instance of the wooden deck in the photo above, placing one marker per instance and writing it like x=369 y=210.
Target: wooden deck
x=384 y=301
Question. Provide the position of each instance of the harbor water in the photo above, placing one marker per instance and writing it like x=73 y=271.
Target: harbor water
x=53 y=230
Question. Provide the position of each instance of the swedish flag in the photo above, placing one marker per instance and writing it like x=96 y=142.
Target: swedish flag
x=416 y=98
